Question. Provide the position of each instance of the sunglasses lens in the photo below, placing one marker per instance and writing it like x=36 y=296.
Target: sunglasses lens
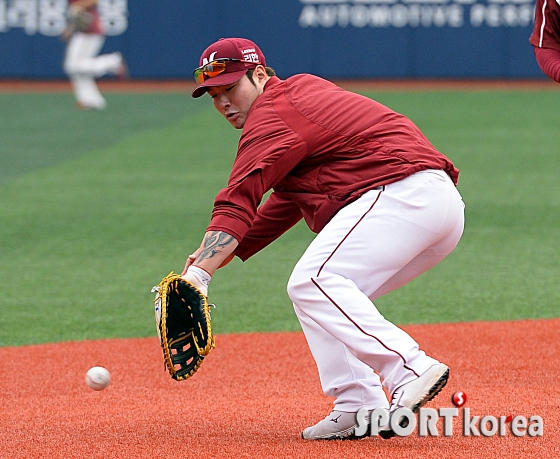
x=210 y=70
x=213 y=69
x=199 y=76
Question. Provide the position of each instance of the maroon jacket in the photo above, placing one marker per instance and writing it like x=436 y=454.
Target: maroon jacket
x=319 y=148
x=546 y=31
x=546 y=37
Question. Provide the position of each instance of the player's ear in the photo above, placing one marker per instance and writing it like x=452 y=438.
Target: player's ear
x=260 y=77
x=260 y=71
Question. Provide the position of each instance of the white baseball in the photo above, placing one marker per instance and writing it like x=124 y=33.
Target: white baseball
x=98 y=378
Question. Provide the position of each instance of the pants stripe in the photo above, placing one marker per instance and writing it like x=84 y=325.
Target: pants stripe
x=360 y=328
x=349 y=232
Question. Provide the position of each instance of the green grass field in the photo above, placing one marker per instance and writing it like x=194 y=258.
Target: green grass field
x=95 y=208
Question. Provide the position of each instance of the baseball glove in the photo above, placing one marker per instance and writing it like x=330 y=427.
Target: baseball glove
x=183 y=325
x=80 y=20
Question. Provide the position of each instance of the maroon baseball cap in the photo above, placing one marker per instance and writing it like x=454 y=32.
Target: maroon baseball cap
x=247 y=52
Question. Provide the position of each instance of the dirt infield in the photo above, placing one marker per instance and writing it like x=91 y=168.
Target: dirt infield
x=256 y=392
x=23 y=86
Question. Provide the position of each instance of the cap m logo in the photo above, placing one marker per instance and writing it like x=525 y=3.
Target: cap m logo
x=210 y=59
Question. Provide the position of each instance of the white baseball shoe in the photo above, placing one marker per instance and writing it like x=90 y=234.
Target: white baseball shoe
x=338 y=425
x=416 y=394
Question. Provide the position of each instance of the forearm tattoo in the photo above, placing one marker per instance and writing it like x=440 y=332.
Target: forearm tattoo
x=214 y=242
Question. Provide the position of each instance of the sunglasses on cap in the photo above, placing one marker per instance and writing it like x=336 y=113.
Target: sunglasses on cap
x=212 y=69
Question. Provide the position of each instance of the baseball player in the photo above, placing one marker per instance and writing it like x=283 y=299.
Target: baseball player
x=82 y=63
x=382 y=200
x=546 y=37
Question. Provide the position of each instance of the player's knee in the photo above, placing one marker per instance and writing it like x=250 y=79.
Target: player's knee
x=76 y=67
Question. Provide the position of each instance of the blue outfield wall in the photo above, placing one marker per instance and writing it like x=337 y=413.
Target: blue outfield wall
x=163 y=39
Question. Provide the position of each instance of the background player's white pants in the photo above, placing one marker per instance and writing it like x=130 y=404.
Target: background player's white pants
x=371 y=247
x=82 y=65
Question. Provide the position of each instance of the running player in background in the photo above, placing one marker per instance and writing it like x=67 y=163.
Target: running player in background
x=82 y=62
x=380 y=197
x=546 y=37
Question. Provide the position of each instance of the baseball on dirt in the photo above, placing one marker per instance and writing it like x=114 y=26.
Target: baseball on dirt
x=98 y=378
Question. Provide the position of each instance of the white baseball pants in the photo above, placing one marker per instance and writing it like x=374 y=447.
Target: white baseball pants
x=82 y=64
x=372 y=246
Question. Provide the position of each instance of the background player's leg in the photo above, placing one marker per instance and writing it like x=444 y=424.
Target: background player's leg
x=87 y=93
x=80 y=66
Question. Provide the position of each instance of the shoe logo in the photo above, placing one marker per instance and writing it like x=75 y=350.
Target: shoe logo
x=397 y=400
x=335 y=420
